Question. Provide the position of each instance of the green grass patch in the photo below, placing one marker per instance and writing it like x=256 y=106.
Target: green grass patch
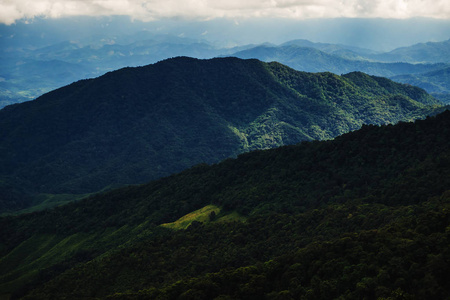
x=201 y=215
x=209 y=213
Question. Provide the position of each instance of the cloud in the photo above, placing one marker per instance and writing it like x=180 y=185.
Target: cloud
x=146 y=10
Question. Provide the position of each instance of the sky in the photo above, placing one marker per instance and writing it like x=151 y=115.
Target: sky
x=12 y=11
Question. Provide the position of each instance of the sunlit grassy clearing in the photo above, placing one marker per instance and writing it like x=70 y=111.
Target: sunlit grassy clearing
x=203 y=215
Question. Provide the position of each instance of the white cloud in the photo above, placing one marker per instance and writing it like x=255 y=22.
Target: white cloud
x=13 y=10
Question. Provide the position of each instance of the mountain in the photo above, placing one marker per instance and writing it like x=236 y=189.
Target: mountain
x=435 y=82
x=362 y=216
x=30 y=73
x=313 y=60
x=344 y=51
x=431 y=52
x=92 y=56
x=138 y=124
x=320 y=57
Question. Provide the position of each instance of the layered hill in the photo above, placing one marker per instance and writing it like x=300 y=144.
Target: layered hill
x=436 y=83
x=28 y=71
x=365 y=215
x=313 y=58
x=423 y=65
x=31 y=67
x=138 y=124
x=431 y=52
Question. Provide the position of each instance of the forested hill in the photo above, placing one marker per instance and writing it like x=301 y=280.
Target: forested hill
x=363 y=216
x=137 y=124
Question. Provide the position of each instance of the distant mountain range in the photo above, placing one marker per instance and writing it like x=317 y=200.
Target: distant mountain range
x=363 y=216
x=437 y=83
x=27 y=72
x=137 y=124
x=432 y=52
x=337 y=49
x=314 y=60
x=406 y=65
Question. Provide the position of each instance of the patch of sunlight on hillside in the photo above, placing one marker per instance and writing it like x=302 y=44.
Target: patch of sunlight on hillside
x=206 y=214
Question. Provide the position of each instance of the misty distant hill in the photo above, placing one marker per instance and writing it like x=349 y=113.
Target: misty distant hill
x=431 y=52
x=137 y=124
x=73 y=59
x=345 y=51
x=313 y=60
x=24 y=80
x=435 y=82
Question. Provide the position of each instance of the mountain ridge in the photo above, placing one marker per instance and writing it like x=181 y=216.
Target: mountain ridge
x=137 y=124
x=430 y=52
x=312 y=59
x=97 y=55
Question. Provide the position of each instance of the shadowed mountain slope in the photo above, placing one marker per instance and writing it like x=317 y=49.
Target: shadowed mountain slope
x=137 y=124
x=365 y=215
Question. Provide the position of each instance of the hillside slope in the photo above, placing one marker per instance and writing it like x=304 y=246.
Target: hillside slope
x=137 y=124
x=365 y=215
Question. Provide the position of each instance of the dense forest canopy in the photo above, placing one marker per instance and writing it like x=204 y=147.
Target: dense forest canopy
x=365 y=215
x=138 y=124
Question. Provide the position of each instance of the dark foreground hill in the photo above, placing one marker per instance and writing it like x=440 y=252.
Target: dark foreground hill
x=137 y=124
x=363 y=216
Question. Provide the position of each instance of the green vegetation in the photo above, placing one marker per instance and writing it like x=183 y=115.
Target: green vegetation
x=365 y=215
x=209 y=213
x=138 y=124
x=422 y=65
x=205 y=214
